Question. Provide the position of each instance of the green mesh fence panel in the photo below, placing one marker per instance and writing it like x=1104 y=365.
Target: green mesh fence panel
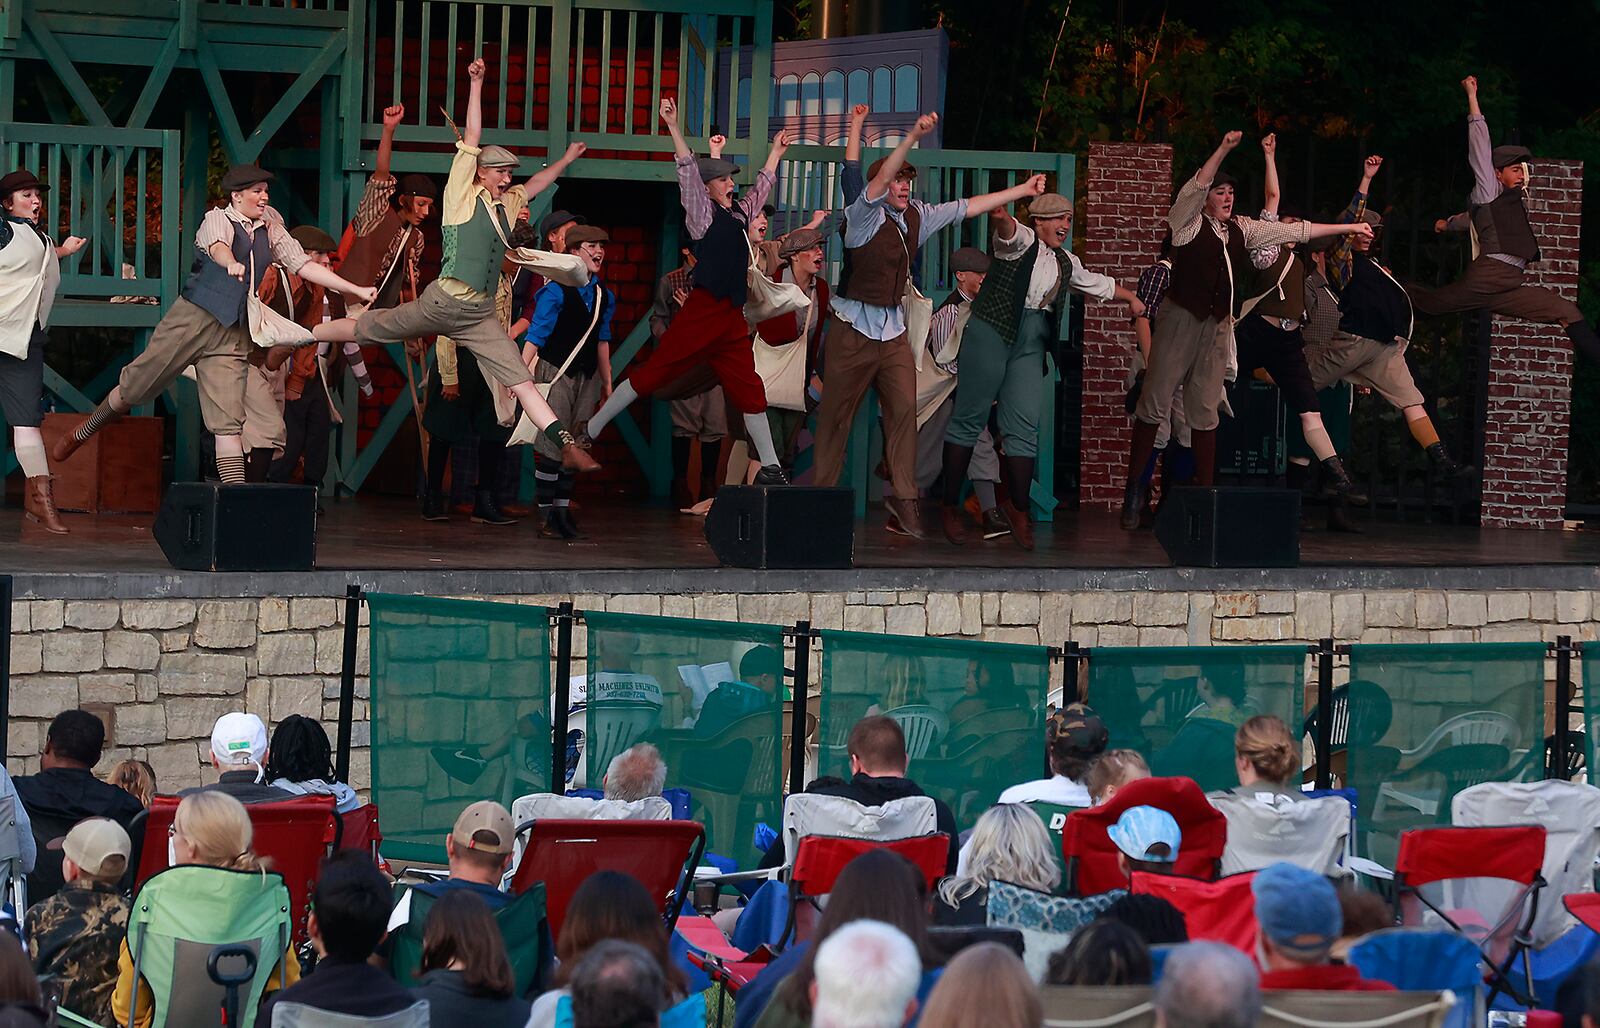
x=972 y=712
x=709 y=695
x=1589 y=697
x=460 y=712
x=1419 y=723
x=1180 y=706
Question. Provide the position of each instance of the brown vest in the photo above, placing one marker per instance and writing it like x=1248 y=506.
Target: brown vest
x=1201 y=284
x=364 y=264
x=1285 y=298
x=877 y=272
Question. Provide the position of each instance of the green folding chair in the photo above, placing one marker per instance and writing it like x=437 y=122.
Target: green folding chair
x=183 y=913
x=523 y=927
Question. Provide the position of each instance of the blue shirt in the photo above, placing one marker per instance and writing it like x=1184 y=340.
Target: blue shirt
x=547 y=308
x=862 y=220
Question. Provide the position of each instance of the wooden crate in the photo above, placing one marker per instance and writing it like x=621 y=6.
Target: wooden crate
x=118 y=471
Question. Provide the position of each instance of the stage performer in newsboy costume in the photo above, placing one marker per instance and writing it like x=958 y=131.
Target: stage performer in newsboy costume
x=208 y=326
x=1015 y=322
x=30 y=272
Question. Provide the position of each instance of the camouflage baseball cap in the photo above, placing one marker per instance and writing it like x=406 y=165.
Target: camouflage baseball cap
x=1078 y=728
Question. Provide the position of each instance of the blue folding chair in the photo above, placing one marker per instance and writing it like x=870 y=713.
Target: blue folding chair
x=1423 y=960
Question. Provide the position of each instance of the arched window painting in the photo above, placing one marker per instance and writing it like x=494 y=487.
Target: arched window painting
x=905 y=87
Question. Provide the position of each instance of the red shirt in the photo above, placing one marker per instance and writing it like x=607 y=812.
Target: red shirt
x=1323 y=978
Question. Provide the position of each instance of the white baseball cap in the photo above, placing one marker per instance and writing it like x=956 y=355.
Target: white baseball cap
x=239 y=738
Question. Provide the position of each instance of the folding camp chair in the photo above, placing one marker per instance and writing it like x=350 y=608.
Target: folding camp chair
x=1098 y=1006
x=181 y=915
x=811 y=814
x=523 y=929
x=1310 y=1008
x=820 y=859
x=1219 y=911
x=13 y=883
x=1418 y=959
x=1309 y=833
x=359 y=830
x=723 y=964
x=1428 y=879
x=298 y=1015
x=295 y=833
x=561 y=853
x=1091 y=856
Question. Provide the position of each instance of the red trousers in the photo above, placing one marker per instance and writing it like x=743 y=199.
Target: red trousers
x=706 y=331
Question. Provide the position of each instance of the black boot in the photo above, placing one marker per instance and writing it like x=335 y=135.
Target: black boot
x=435 y=507
x=1339 y=519
x=1445 y=464
x=561 y=521
x=1336 y=481
x=487 y=512
x=681 y=494
x=1133 y=501
x=257 y=463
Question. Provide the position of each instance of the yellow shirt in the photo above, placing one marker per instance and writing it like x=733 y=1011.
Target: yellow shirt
x=121 y=996
x=461 y=193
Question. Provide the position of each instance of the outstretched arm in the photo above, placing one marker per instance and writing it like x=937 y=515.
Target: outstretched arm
x=391 y=121
x=1340 y=259
x=995 y=201
x=473 y=134
x=780 y=143
x=897 y=157
x=1270 y=193
x=1480 y=155
x=669 y=116
x=545 y=177
x=1184 y=216
x=851 y=181
x=330 y=279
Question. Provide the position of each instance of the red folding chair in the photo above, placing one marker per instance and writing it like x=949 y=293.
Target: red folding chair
x=295 y=834
x=1432 y=874
x=1219 y=911
x=710 y=951
x=358 y=829
x=1091 y=856
x=820 y=858
x=562 y=853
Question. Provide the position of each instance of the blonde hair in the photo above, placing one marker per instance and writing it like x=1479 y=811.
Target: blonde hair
x=1266 y=744
x=985 y=984
x=1114 y=768
x=218 y=828
x=1009 y=844
x=136 y=778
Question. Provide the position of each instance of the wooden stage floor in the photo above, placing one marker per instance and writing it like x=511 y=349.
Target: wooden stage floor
x=371 y=534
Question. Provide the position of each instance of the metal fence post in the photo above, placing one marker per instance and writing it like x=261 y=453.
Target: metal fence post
x=1556 y=763
x=797 y=717
x=564 y=617
x=5 y=667
x=347 y=681
x=1324 y=737
x=1071 y=670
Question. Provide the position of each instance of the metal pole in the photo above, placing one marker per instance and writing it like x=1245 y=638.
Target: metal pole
x=1324 y=739
x=564 y=617
x=347 y=681
x=1557 y=761
x=1071 y=669
x=797 y=716
x=5 y=667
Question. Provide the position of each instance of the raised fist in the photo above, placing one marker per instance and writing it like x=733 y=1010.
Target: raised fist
x=1269 y=144
x=475 y=70
x=1370 y=166
x=393 y=114
x=669 y=110
x=575 y=150
x=717 y=142
x=925 y=124
x=1470 y=84
x=1035 y=185
x=1232 y=139
x=860 y=111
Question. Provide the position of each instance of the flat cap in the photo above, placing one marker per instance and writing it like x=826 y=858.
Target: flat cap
x=497 y=157
x=418 y=185
x=22 y=178
x=1509 y=153
x=582 y=233
x=907 y=170
x=1049 y=205
x=555 y=219
x=970 y=258
x=243 y=176
x=799 y=241
x=310 y=237
x=1223 y=179
x=716 y=167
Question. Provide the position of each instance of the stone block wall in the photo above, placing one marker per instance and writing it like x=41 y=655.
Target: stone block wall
x=167 y=668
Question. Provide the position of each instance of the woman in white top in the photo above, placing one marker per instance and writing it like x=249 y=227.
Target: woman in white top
x=30 y=273
x=300 y=760
x=1074 y=737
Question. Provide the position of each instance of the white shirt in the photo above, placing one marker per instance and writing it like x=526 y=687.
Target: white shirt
x=1057 y=789
x=1045 y=271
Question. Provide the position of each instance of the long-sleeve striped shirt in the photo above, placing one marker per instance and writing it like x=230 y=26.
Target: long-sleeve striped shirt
x=1188 y=213
x=697 y=201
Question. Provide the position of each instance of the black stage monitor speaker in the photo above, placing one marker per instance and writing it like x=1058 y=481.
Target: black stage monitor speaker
x=1231 y=528
x=208 y=526
x=795 y=526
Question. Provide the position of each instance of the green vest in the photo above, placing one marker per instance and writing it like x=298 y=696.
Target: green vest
x=473 y=250
x=1005 y=288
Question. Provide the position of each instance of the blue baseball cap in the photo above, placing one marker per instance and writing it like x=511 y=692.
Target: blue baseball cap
x=1298 y=910
x=1141 y=828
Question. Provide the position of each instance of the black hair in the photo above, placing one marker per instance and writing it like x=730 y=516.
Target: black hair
x=352 y=900
x=300 y=751
x=761 y=660
x=1156 y=920
x=1103 y=952
x=78 y=736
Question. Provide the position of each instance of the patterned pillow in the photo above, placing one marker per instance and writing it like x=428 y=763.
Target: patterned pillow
x=1046 y=922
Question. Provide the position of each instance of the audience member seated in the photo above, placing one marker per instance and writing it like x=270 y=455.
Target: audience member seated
x=1267 y=758
x=27 y=846
x=478 y=851
x=984 y=985
x=349 y=907
x=1297 y=922
x=1157 y=921
x=300 y=761
x=879 y=885
x=1207 y=985
x=466 y=975
x=1364 y=912
x=64 y=792
x=758 y=688
x=637 y=773
x=1147 y=839
x=878 y=764
x=239 y=753
x=866 y=977
x=75 y=935
x=1113 y=770
x=1104 y=952
x=1008 y=844
x=209 y=828
x=19 y=988
x=617 y=985
x=608 y=905
x=1074 y=737
x=137 y=778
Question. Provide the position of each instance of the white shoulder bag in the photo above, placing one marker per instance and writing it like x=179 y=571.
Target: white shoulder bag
x=526 y=432
x=765 y=298
x=268 y=327
x=782 y=367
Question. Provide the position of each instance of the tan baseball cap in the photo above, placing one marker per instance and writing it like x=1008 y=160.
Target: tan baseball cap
x=484 y=816
x=98 y=845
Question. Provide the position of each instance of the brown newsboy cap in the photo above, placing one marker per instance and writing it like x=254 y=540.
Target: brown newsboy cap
x=1049 y=205
x=310 y=237
x=243 y=176
x=798 y=241
x=1509 y=153
x=907 y=170
x=586 y=234
x=22 y=178
x=970 y=259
